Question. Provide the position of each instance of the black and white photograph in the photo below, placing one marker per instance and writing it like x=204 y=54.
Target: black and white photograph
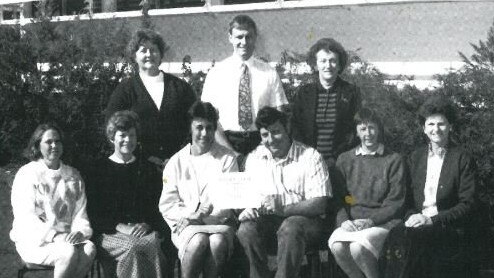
x=247 y=138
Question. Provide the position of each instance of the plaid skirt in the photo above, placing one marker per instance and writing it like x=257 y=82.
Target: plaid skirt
x=127 y=256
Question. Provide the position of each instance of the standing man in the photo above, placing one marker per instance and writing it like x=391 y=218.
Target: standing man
x=297 y=189
x=239 y=86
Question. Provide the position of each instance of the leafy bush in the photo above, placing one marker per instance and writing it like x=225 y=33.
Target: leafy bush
x=62 y=73
x=79 y=70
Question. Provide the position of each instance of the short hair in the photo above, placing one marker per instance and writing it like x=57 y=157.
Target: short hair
x=327 y=44
x=203 y=110
x=145 y=35
x=367 y=115
x=437 y=105
x=268 y=116
x=122 y=121
x=242 y=22
x=32 y=151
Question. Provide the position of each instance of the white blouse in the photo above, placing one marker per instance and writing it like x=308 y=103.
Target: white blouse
x=155 y=85
x=434 y=165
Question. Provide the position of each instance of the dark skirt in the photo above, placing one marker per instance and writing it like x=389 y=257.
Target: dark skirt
x=428 y=252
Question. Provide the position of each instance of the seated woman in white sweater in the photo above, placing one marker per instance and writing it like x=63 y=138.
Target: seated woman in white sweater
x=50 y=225
x=199 y=231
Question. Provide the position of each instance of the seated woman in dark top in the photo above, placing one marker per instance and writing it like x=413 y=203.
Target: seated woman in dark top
x=373 y=179
x=441 y=198
x=123 y=194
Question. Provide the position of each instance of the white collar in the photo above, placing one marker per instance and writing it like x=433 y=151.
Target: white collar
x=118 y=160
x=379 y=151
x=237 y=61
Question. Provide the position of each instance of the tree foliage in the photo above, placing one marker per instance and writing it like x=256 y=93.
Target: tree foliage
x=62 y=73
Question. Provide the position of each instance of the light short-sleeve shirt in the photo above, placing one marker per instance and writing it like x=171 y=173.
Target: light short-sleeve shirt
x=301 y=175
x=222 y=85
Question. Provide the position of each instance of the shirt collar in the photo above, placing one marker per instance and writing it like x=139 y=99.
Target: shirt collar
x=379 y=151
x=238 y=62
x=440 y=152
x=118 y=160
x=321 y=88
x=187 y=150
x=290 y=156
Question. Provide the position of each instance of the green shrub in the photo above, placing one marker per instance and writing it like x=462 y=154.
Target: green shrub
x=82 y=70
x=79 y=70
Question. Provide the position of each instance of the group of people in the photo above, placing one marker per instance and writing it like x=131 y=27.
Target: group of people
x=319 y=186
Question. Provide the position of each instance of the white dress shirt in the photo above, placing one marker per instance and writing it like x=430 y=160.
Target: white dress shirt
x=222 y=85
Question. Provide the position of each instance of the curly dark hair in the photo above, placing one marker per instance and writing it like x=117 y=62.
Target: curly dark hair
x=122 y=121
x=268 y=116
x=438 y=105
x=203 y=110
x=32 y=151
x=145 y=35
x=327 y=44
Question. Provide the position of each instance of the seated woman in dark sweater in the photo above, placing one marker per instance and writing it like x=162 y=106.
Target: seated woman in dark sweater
x=123 y=194
x=372 y=181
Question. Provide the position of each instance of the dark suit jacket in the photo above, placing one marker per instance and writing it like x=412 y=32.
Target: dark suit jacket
x=456 y=193
x=163 y=131
x=348 y=102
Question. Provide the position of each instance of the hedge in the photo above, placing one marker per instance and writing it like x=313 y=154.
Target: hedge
x=80 y=69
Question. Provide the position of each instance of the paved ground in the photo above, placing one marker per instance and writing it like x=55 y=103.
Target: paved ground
x=9 y=261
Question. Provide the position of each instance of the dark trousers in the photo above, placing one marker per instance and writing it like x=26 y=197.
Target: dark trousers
x=290 y=236
x=428 y=252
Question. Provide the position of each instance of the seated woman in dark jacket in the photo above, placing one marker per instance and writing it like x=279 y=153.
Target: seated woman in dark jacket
x=123 y=194
x=441 y=199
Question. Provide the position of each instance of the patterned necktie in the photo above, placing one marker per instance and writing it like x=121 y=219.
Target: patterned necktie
x=244 y=99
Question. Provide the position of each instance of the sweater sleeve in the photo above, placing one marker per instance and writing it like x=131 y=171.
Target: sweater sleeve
x=340 y=191
x=393 y=204
x=409 y=199
x=27 y=225
x=150 y=195
x=466 y=194
x=119 y=99
x=80 y=220
x=100 y=199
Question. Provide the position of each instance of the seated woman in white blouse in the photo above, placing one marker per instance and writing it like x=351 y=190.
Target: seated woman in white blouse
x=50 y=225
x=199 y=232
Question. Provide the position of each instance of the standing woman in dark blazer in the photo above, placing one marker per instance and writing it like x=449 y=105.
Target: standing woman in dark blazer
x=442 y=197
x=161 y=100
x=323 y=110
